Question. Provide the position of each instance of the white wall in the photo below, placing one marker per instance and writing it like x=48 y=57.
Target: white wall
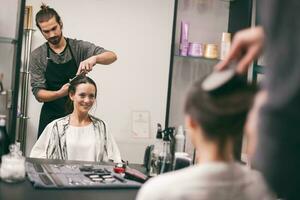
x=139 y=31
x=207 y=20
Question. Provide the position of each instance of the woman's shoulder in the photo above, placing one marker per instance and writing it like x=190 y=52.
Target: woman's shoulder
x=96 y=119
x=51 y=126
x=59 y=122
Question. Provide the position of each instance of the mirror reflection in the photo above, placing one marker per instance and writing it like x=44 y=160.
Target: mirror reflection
x=79 y=135
x=56 y=62
x=132 y=90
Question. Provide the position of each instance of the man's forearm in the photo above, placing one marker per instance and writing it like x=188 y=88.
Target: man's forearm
x=47 y=95
x=106 y=58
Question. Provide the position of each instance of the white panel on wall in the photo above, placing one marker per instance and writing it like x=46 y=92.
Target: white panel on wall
x=6 y=66
x=6 y=63
x=8 y=18
x=140 y=32
x=8 y=24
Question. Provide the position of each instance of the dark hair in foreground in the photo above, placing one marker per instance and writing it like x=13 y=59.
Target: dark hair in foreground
x=223 y=115
x=46 y=13
x=81 y=79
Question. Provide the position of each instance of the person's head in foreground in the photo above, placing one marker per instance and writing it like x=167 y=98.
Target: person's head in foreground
x=213 y=121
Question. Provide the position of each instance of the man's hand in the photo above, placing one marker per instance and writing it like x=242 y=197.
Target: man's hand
x=105 y=58
x=246 y=46
x=44 y=95
x=87 y=65
x=63 y=91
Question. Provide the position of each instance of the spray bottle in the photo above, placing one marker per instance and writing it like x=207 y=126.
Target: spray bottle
x=179 y=140
x=158 y=147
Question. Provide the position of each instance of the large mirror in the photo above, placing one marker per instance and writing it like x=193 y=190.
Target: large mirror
x=132 y=93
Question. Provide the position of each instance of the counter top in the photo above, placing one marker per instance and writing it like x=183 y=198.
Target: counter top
x=24 y=190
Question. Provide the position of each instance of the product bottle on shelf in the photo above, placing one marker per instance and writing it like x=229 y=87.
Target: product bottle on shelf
x=158 y=146
x=184 y=42
x=4 y=139
x=225 y=45
x=179 y=140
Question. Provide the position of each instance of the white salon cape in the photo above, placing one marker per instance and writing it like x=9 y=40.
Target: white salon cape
x=209 y=181
x=87 y=143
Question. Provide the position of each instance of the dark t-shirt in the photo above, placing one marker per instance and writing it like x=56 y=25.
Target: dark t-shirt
x=38 y=60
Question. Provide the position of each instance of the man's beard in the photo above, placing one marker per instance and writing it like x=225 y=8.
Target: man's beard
x=55 y=40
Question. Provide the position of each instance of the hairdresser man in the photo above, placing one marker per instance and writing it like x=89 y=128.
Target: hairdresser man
x=278 y=140
x=58 y=60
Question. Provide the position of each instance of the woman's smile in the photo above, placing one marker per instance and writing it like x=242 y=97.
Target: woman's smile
x=84 y=97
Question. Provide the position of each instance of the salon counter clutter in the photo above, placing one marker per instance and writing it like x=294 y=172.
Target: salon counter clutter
x=57 y=179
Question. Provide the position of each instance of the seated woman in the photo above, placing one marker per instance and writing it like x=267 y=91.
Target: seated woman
x=78 y=136
x=213 y=122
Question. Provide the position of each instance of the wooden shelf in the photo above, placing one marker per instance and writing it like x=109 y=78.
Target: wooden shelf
x=199 y=58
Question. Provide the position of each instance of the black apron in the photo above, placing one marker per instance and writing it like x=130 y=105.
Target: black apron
x=56 y=76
